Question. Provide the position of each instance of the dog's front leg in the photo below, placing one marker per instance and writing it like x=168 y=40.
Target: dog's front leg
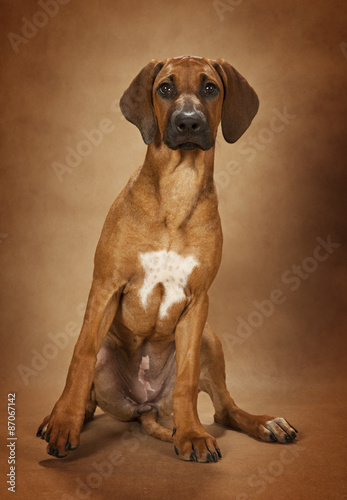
x=61 y=429
x=191 y=440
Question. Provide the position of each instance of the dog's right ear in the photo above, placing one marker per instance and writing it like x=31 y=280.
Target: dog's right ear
x=136 y=103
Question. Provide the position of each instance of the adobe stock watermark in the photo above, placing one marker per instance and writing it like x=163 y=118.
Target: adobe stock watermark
x=39 y=19
x=268 y=475
x=105 y=468
x=251 y=146
x=292 y=278
x=91 y=139
x=57 y=343
x=83 y=148
x=221 y=7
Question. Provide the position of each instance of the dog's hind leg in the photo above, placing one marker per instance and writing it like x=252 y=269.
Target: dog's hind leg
x=90 y=406
x=212 y=380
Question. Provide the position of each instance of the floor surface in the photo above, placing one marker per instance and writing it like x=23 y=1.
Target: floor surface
x=118 y=460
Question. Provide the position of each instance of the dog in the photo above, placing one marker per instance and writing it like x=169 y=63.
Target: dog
x=145 y=349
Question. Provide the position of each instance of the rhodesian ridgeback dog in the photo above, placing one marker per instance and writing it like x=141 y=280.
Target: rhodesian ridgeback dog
x=145 y=349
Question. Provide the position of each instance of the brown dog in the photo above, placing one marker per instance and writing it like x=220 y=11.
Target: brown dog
x=145 y=348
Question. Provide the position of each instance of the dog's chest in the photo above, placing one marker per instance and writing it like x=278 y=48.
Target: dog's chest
x=169 y=269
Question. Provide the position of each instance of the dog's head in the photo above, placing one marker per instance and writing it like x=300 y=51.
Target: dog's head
x=184 y=99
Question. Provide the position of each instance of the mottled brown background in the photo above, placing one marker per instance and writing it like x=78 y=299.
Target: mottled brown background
x=68 y=78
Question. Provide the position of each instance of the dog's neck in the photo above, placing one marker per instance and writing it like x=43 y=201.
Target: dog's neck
x=179 y=180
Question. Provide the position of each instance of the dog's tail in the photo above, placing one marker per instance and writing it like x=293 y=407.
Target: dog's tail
x=149 y=423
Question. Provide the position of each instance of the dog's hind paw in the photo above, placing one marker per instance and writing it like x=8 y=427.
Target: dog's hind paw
x=278 y=430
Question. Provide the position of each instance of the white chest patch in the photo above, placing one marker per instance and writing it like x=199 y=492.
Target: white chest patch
x=171 y=270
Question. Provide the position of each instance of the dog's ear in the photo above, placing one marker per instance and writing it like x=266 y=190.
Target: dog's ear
x=136 y=103
x=240 y=105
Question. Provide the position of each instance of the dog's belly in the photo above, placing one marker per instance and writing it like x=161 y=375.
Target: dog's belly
x=128 y=384
x=136 y=367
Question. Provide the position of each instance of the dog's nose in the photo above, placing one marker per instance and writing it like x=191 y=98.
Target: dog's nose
x=188 y=121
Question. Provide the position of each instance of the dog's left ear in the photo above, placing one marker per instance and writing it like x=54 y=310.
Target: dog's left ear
x=136 y=102
x=241 y=103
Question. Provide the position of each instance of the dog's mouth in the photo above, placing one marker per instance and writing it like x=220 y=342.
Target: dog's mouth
x=189 y=146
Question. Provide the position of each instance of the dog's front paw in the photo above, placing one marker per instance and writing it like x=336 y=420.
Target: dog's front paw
x=61 y=430
x=196 y=446
x=277 y=429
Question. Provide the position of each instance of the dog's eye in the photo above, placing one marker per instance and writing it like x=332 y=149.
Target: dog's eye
x=210 y=88
x=166 y=89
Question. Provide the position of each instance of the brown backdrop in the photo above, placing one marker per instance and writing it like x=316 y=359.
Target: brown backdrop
x=282 y=190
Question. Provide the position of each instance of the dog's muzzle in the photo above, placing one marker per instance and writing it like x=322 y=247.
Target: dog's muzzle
x=188 y=129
